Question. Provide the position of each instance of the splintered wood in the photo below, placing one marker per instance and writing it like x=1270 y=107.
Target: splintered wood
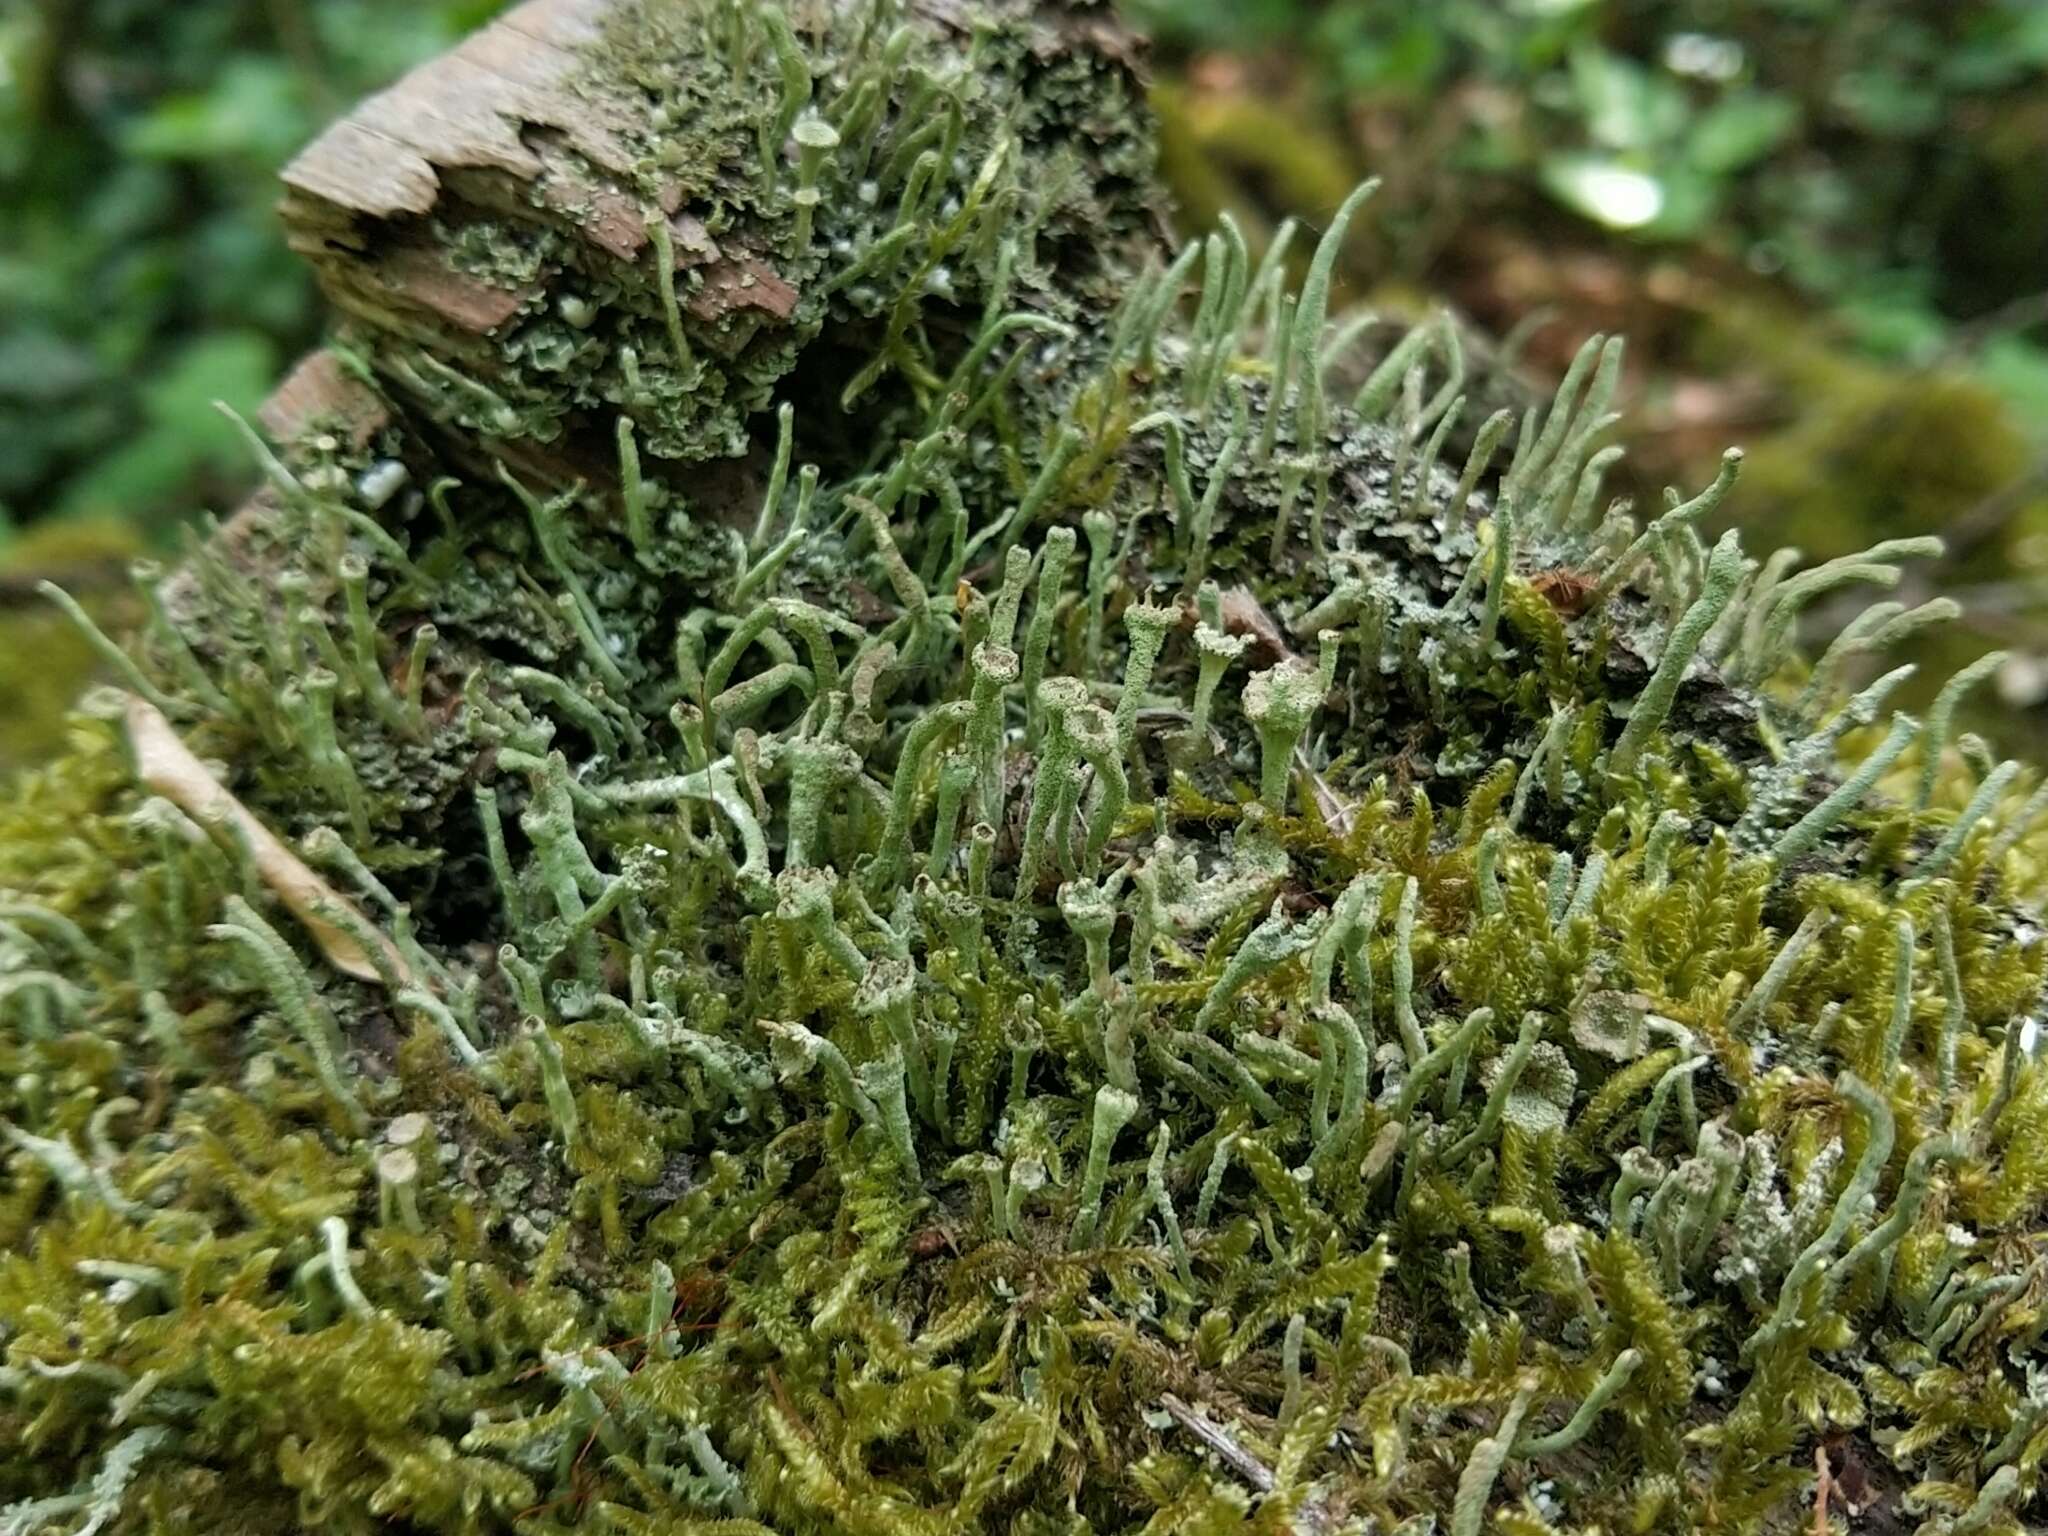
x=515 y=110
x=468 y=108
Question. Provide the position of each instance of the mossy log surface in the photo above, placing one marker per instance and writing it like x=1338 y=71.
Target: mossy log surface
x=842 y=850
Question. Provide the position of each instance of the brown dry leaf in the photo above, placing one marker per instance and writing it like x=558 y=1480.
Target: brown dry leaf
x=1244 y=614
x=168 y=767
x=1338 y=814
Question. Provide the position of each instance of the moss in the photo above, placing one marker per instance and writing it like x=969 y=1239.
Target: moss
x=1209 y=148
x=1898 y=450
x=1891 y=449
x=43 y=660
x=699 y=1046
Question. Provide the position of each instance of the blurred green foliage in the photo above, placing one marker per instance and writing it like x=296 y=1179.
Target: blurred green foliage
x=1883 y=157
x=1822 y=224
x=141 y=272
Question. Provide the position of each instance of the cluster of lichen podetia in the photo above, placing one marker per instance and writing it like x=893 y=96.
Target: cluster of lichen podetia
x=1134 y=958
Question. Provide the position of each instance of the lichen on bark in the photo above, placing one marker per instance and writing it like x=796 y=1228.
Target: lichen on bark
x=870 y=863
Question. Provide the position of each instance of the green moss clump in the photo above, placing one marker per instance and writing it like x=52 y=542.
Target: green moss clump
x=45 y=661
x=1111 y=939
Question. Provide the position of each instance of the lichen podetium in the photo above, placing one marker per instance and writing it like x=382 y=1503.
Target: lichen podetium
x=777 y=990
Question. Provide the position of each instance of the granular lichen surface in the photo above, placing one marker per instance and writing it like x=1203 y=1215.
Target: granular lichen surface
x=985 y=903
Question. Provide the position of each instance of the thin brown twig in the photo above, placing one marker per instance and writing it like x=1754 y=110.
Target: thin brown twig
x=786 y=1404
x=1217 y=1439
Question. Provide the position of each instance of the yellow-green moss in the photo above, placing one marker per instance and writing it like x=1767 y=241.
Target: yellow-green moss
x=782 y=1023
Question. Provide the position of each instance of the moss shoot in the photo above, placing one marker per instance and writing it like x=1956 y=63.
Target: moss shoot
x=989 y=905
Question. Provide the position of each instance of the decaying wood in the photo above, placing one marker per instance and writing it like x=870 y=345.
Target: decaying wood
x=487 y=228
x=319 y=394
x=514 y=103
x=469 y=108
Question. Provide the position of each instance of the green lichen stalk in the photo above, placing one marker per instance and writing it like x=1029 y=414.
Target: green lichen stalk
x=765 y=994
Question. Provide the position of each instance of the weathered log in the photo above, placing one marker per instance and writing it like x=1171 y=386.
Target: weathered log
x=495 y=227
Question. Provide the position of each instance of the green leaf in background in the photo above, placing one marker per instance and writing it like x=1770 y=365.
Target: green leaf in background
x=2018 y=370
x=53 y=403
x=378 y=40
x=2001 y=48
x=1231 y=23
x=1376 y=52
x=1890 y=317
x=1605 y=190
x=253 y=112
x=1692 y=200
x=1889 y=103
x=39 y=367
x=1625 y=105
x=1740 y=129
x=140 y=259
x=183 y=436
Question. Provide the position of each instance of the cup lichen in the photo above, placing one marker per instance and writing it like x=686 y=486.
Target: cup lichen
x=807 y=1014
